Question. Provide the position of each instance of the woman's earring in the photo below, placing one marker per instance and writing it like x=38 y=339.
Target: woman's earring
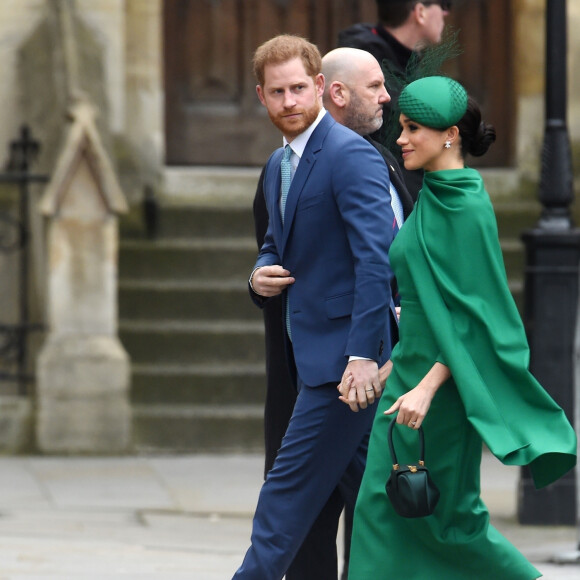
x=447 y=144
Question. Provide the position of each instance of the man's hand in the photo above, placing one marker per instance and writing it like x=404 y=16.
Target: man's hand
x=271 y=280
x=360 y=384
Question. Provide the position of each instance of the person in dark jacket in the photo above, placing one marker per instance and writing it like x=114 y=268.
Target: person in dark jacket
x=354 y=95
x=404 y=27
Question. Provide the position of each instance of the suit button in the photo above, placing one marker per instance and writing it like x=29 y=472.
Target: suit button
x=381 y=347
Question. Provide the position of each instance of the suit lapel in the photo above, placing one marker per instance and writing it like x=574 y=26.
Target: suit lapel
x=301 y=176
x=307 y=161
x=272 y=187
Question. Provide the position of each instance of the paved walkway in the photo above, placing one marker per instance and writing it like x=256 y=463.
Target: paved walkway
x=178 y=517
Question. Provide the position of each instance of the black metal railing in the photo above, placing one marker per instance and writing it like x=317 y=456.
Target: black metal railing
x=15 y=229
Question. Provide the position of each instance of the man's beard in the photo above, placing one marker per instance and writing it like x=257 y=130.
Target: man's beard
x=359 y=120
x=293 y=128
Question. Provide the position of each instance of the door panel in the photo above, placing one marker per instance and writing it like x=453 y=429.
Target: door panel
x=485 y=69
x=212 y=113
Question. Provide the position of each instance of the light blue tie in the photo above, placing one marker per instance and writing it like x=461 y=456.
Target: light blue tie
x=286 y=173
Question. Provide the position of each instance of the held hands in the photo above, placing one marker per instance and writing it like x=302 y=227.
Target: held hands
x=270 y=280
x=360 y=384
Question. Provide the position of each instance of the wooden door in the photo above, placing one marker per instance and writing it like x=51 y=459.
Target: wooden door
x=213 y=116
x=485 y=69
x=212 y=113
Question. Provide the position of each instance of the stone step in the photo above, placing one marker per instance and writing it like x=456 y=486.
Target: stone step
x=172 y=342
x=205 y=222
x=186 y=299
x=514 y=217
x=227 y=259
x=517 y=291
x=209 y=384
x=514 y=258
x=198 y=428
x=195 y=338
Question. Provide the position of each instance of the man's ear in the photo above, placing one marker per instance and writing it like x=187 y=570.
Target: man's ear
x=319 y=83
x=338 y=93
x=260 y=95
x=418 y=12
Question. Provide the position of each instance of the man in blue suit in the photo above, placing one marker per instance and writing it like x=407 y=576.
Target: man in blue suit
x=326 y=252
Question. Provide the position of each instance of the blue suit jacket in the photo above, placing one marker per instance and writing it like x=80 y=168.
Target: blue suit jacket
x=335 y=240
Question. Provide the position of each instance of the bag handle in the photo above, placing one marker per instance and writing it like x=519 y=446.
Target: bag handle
x=392 y=446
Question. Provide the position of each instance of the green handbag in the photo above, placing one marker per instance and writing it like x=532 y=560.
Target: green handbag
x=410 y=487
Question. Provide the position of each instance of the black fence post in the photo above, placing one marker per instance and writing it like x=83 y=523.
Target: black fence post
x=14 y=336
x=551 y=276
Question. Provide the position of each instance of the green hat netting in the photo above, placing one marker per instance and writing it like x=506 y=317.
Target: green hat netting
x=425 y=63
x=437 y=102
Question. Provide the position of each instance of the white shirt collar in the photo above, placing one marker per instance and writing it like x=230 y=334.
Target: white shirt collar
x=299 y=143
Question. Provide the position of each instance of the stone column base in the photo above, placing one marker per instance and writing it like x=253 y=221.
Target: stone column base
x=16 y=424
x=83 y=396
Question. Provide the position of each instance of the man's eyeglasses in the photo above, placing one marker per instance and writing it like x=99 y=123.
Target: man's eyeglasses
x=445 y=4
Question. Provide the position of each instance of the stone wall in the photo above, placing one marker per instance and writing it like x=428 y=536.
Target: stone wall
x=129 y=33
x=17 y=21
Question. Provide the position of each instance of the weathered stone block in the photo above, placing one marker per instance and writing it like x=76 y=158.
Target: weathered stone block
x=16 y=424
x=83 y=404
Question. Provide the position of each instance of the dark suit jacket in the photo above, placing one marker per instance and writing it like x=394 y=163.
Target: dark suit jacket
x=335 y=241
x=280 y=385
x=396 y=176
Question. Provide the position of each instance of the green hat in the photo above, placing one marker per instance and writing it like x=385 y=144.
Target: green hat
x=436 y=102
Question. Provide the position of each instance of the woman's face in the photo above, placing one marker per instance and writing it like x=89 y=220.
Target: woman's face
x=422 y=147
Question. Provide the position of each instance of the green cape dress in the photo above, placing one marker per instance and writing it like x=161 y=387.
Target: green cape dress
x=456 y=308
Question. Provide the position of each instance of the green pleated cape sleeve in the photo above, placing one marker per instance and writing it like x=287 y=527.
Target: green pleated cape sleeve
x=460 y=278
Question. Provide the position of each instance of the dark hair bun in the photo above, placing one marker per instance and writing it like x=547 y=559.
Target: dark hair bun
x=483 y=139
x=476 y=135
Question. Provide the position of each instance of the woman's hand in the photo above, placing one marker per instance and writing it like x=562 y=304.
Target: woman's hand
x=413 y=406
x=384 y=373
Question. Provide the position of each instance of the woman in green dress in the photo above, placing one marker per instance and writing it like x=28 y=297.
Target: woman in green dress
x=460 y=368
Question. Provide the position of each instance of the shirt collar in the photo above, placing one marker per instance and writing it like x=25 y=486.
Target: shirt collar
x=299 y=143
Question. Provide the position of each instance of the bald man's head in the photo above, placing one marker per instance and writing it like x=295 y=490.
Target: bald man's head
x=354 y=91
x=342 y=63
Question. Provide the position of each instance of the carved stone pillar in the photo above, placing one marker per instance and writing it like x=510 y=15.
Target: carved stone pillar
x=83 y=370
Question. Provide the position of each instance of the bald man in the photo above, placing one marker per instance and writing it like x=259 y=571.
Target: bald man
x=354 y=95
x=404 y=27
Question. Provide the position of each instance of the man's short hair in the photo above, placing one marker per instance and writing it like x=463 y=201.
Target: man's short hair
x=283 y=48
x=393 y=13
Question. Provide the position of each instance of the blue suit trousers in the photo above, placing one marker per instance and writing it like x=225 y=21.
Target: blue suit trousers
x=324 y=447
